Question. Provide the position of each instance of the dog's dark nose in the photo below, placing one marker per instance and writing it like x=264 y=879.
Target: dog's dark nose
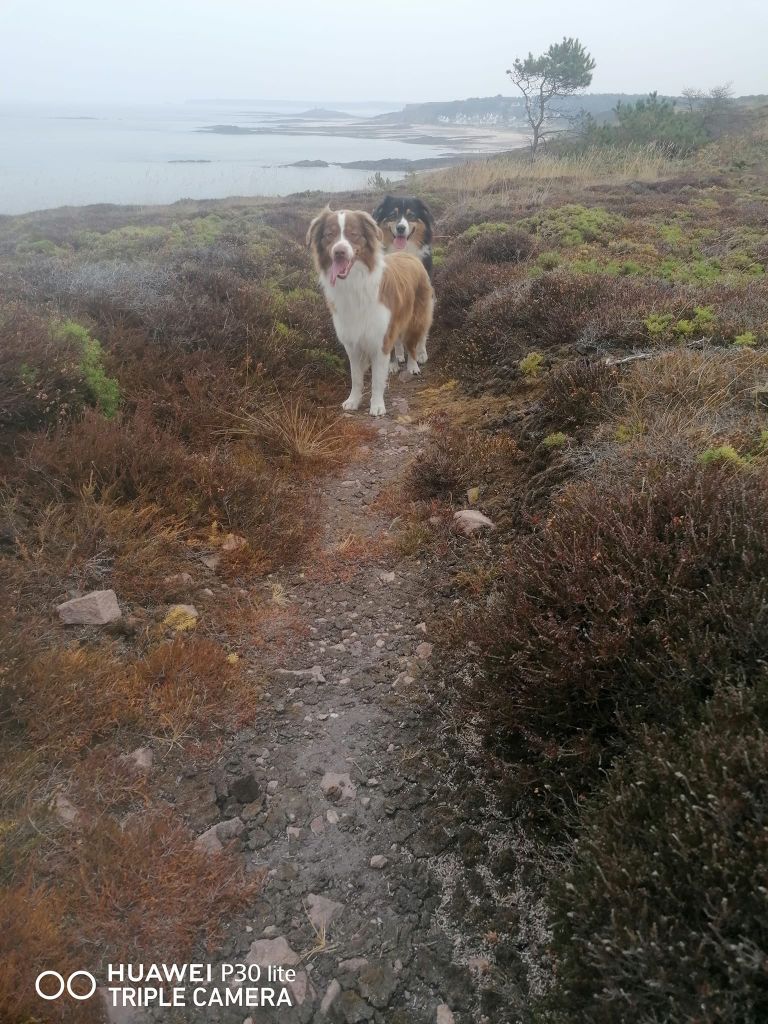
x=401 y=229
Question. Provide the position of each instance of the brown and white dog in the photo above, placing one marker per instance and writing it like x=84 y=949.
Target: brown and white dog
x=378 y=302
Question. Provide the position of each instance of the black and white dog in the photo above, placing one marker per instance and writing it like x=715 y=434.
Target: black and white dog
x=407 y=224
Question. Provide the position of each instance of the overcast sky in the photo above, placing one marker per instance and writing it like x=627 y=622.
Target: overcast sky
x=337 y=50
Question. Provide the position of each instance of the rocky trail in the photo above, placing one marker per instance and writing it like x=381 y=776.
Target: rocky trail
x=381 y=843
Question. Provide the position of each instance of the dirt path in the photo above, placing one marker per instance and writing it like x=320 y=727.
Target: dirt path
x=380 y=840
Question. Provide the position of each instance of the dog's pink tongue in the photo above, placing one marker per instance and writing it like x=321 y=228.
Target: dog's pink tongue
x=400 y=241
x=340 y=266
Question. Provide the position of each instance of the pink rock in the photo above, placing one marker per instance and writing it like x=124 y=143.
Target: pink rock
x=214 y=838
x=141 y=758
x=232 y=542
x=94 y=609
x=317 y=825
x=469 y=521
x=65 y=811
x=277 y=952
x=322 y=911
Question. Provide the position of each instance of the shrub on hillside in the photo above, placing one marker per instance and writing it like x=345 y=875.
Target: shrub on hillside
x=131 y=459
x=507 y=245
x=47 y=373
x=625 y=608
x=458 y=459
x=578 y=394
x=459 y=282
x=663 y=912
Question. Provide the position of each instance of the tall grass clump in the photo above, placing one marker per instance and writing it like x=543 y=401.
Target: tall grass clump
x=502 y=175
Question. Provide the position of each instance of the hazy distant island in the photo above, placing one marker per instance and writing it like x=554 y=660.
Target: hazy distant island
x=320 y=113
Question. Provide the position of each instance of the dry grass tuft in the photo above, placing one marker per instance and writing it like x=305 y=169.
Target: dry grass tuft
x=143 y=892
x=503 y=176
x=34 y=938
x=188 y=686
x=300 y=434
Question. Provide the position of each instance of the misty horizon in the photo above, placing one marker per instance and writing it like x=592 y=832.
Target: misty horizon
x=141 y=53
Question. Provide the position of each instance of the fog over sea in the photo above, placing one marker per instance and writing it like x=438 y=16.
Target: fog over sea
x=54 y=156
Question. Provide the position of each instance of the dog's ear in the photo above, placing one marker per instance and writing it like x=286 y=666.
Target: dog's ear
x=316 y=227
x=370 y=227
x=424 y=212
x=381 y=210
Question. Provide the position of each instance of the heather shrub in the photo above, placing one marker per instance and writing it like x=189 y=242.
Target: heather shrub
x=460 y=282
x=662 y=914
x=489 y=348
x=504 y=245
x=579 y=393
x=131 y=459
x=47 y=375
x=625 y=608
x=455 y=460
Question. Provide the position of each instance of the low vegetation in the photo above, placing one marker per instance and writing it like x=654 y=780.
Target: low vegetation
x=168 y=392
x=609 y=635
x=147 y=446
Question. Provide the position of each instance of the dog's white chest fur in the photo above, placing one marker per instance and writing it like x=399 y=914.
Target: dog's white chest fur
x=360 y=318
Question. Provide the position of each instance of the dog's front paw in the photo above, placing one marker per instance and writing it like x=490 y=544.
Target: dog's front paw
x=413 y=367
x=421 y=355
x=351 y=404
x=378 y=409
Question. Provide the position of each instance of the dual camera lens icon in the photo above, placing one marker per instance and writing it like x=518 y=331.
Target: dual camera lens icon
x=47 y=989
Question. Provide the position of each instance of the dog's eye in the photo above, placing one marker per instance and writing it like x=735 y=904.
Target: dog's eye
x=353 y=235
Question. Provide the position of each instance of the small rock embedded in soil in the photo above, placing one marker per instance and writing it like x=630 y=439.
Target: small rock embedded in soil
x=352 y=966
x=140 y=758
x=332 y=993
x=64 y=810
x=444 y=1015
x=424 y=651
x=233 y=543
x=337 y=787
x=379 y=861
x=94 y=609
x=353 y=1009
x=322 y=911
x=377 y=985
x=179 y=579
x=214 y=838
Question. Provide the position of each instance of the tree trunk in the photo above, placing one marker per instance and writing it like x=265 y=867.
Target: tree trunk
x=535 y=142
